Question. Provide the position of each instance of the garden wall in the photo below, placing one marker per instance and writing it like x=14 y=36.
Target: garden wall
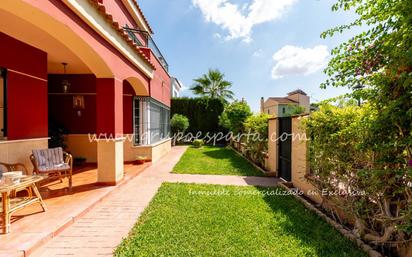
x=299 y=158
x=300 y=163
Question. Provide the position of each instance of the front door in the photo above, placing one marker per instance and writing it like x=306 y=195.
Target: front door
x=285 y=148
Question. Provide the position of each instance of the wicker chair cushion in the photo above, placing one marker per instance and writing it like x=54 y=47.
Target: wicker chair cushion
x=48 y=157
x=54 y=167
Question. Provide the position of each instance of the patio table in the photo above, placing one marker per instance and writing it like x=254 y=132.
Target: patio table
x=12 y=204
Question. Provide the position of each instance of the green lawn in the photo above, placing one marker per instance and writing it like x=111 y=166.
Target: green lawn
x=214 y=160
x=210 y=220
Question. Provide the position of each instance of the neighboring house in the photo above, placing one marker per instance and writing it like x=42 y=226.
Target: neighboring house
x=115 y=83
x=285 y=106
x=176 y=87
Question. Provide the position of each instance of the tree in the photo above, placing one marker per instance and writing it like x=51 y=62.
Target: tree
x=377 y=65
x=295 y=110
x=213 y=85
x=234 y=116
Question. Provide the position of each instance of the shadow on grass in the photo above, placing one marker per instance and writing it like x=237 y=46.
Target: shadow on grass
x=237 y=162
x=308 y=227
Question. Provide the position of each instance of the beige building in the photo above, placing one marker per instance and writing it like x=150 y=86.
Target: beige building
x=285 y=106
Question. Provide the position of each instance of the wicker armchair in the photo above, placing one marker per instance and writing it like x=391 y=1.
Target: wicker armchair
x=53 y=162
x=8 y=167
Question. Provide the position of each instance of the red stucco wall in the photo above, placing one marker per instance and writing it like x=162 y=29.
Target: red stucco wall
x=160 y=84
x=28 y=98
x=109 y=102
x=120 y=14
x=128 y=94
x=26 y=89
x=61 y=106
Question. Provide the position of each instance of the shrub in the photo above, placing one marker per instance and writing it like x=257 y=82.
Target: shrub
x=197 y=143
x=234 y=116
x=179 y=123
x=345 y=157
x=257 y=143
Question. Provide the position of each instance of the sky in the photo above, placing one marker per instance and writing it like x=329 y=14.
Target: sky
x=266 y=48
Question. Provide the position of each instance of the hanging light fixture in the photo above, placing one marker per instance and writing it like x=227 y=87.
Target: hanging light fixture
x=65 y=82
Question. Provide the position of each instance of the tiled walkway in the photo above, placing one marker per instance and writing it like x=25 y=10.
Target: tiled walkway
x=98 y=232
x=31 y=227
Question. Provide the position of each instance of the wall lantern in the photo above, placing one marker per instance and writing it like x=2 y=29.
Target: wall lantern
x=65 y=82
x=78 y=104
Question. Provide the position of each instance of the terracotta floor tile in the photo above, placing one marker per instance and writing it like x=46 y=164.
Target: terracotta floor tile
x=32 y=227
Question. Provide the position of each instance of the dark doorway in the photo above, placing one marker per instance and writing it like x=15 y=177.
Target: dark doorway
x=285 y=148
x=3 y=104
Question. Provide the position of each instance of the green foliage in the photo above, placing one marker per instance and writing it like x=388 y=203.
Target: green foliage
x=213 y=85
x=215 y=160
x=294 y=109
x=197 y=143
x=342 y=159
x=377 y=65
x=240 y=221
x=257 y=144
x=234 y=116
x=203 y=113
x=179 y=123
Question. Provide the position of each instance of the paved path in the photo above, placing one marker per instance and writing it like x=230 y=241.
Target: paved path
x=99 y=231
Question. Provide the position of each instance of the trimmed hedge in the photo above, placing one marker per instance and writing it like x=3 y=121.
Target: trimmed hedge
x=203 y=113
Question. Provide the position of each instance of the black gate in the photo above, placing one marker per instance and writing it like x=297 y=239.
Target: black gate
x=285 y=148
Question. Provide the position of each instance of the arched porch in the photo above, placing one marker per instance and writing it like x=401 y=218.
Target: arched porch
x=34 y=46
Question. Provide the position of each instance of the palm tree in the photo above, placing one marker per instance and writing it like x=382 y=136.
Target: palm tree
x=213 y=85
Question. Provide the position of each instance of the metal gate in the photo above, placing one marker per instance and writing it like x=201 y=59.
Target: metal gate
x=285 y=148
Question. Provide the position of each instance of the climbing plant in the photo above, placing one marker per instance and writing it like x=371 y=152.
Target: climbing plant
x=368 y=148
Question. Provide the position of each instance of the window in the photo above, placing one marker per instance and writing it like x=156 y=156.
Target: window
x=283 y=110
x=151 y=121
x=3 y=103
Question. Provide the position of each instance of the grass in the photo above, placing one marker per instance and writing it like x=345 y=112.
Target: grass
x=214 y=160
x=210 y=220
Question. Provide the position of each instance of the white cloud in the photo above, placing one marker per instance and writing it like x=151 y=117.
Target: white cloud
x=293 y=60
x=232 y=17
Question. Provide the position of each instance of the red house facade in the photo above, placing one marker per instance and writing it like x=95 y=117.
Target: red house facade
x=90 y=67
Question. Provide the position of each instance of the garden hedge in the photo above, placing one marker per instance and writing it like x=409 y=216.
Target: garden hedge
x=203 y=113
